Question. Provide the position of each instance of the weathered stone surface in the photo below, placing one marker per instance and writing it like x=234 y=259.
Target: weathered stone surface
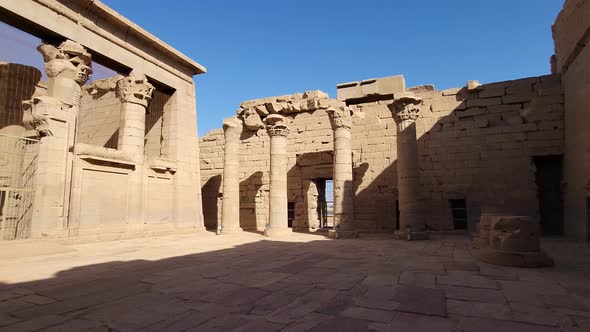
x=420 y=300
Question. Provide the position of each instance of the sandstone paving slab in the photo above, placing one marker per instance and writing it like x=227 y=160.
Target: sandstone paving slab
x=14 y=306
x=179 y=322
x=474 y=294
x=33 y=324
x=77 y=324
x=216 y=309
x=14 y=292
x=368 y=314
x=357 y=290
x=418 y=279
x=497 y=272
x=466 y=279
x=384 y=292
x=295 y=289
x=342 y=324
x=272 y=302
x=341 y=281
x=260 y=325
x=241 y=296
x=426 y=301
x=461 y=266
x=223 y=323
x=479 y=309
x=380 y=279
x=408 y=322
x=7 y=320
x=302 y=306
x=376 y=303
x=538 y=314
x=478 y=324
x=563 y=301
x=529 y=291
x=307 y=323
x=37 y=299
x=339 y=304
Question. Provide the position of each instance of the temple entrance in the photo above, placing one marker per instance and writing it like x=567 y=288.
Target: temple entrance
x=548 y=178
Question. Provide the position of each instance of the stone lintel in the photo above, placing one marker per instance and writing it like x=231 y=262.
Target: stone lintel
x=384 y=86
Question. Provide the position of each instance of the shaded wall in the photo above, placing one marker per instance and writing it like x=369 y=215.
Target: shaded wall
x=478 y=146
x=571 y=33
x=100 y=116
x=17 y=83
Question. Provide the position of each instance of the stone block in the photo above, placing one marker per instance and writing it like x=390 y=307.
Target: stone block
x=519 y=98
x=419 y=300
x=346 y=91
x=474 y=85
x=483 y=102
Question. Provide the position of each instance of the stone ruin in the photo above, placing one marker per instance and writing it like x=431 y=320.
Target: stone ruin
x=110 y=158
x=119 y=155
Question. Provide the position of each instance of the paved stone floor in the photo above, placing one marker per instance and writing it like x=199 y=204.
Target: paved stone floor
x=298 y=282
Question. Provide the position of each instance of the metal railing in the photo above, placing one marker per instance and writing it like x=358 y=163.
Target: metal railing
x=18 y=166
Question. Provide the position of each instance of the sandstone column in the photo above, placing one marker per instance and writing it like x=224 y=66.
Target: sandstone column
x=406 y=111
x=278 y=131
x=343 y=186
x=53 y=118
x=230 y=213
x=135 y=92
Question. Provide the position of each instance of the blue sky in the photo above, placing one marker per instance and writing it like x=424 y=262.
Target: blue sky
x=259 y=48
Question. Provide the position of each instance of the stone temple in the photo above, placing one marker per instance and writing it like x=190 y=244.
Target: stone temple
x=99 y=143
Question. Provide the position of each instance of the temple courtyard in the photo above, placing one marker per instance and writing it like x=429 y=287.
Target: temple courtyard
x=294 y=282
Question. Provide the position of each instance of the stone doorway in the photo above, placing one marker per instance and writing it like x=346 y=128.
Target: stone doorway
x=325 y=202
x=548 y=178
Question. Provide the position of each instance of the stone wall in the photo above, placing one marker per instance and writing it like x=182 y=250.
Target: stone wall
x=98 y=122
x=475 y=145
x=571 y=33
x=100 y=113
x=17 y=83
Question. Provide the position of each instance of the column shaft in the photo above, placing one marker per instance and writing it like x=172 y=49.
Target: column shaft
x=278 y=183
x=132 y=129
x=343 y=186
x=230 y=213
x=135 y=92
x=408 y=176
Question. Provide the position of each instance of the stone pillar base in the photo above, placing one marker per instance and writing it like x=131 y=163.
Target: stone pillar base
x=280 y=231
x=416 y=236
x=515 y=259
x=232 y=231
x=343 y=234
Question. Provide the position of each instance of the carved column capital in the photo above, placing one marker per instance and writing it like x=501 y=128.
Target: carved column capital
x=68 y=60
x=232 y=129
x=405 y=107
x=276 y=125
x=135 y=89
x=340 y=115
